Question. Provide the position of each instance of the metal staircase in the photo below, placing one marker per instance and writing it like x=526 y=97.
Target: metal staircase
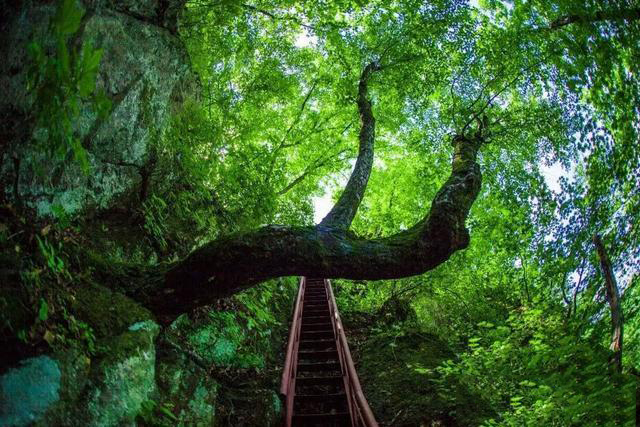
x=319 y=380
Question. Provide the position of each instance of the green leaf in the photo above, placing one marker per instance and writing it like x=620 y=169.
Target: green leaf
x=43 y=312
x=91 y=57
x=63 y=61
x=167 y=413
x=80 y=154
x=88 y=69
x=68 y=17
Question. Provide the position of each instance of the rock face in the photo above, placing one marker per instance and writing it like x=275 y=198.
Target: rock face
x=190 y=389
x=124 y=378
x=26 y=392
x=144 y=71
x=70 y=389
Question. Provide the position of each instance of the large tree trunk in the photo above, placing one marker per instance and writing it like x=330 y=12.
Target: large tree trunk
x=233 y=263
x=613 y=296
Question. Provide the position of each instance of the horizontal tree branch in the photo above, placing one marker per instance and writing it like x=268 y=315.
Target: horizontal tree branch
x=234 y=263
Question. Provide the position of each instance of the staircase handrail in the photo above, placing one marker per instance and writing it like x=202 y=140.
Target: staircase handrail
x=287 y=386
x=360 y=411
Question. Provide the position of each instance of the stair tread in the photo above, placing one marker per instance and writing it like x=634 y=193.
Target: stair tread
x=333 y=366
x=318 y=354
x=321 y=396
x=323 y=415
x=315 y=326
x=318 y=380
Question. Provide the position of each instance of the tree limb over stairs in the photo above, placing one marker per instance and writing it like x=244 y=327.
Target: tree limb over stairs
x=236 y=262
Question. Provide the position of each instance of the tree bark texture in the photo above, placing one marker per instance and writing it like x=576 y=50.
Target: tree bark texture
x=613 y=297
x=342 y=214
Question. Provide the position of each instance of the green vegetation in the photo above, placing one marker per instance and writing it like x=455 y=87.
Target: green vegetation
x=514 y=329
x=62 y=82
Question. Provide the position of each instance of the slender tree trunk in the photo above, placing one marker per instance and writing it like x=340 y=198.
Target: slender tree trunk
x=613 y=297
x=342 y=214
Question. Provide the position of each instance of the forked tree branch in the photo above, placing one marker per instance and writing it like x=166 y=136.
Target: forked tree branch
x=236 y=262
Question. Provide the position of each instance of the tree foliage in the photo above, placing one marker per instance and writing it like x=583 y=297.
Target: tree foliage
x=551 y=90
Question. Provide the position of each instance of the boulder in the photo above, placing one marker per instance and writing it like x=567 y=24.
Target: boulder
x=29 y=390
x=144 y=71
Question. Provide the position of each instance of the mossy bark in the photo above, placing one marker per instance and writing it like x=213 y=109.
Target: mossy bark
x=233 y=263
x=342 y=214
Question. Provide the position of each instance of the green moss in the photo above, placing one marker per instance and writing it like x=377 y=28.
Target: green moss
x=201 y=408
x=107 y=312
x=186 y=389
x=123 y=377
x=218 y=340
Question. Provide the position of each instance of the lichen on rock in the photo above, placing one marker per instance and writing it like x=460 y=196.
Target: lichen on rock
x=143 y=68
x=27 y=391
x=123 y=377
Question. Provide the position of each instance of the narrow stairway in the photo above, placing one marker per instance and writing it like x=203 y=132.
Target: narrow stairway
x=317 y=383
x=320 y=396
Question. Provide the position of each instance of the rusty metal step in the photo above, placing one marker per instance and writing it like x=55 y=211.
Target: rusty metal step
x=317 y=344
x=316 y=311
x=316 y=301
x=315 y=319
x=316 y=326
x=312 y=381
x=319 y=366
x=310 y=335
x=317 y=304
x=318 y=354
x=316 y=420
x=322 y=397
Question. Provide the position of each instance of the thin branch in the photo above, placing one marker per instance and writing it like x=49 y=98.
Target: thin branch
x=277 y=17
x=310 y=169
x=300 y=111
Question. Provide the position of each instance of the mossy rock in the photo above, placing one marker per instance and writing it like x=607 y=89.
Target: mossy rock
x=107 y=312
x=122 y=377
x=185 y=389
x=28 y=391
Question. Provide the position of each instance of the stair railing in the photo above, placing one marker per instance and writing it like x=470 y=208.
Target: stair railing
x=361 y=414
x=288 y=384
